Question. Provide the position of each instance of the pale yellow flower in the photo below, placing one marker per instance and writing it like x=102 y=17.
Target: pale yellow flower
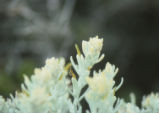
x=100 y=84
x=110 y=70
x=92 y=47
x=39 y=94
x=43 y=75
x=152 y=99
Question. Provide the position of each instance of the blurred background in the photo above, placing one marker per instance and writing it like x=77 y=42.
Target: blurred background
x=33 y=30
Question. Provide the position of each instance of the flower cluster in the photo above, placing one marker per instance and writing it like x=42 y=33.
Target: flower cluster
x=49 y=90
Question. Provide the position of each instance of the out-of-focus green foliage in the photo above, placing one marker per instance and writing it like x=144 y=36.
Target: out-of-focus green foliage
x=9 y=83
x=25 y=68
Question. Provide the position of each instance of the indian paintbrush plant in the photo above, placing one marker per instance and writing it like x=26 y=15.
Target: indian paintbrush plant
x=49 y=90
